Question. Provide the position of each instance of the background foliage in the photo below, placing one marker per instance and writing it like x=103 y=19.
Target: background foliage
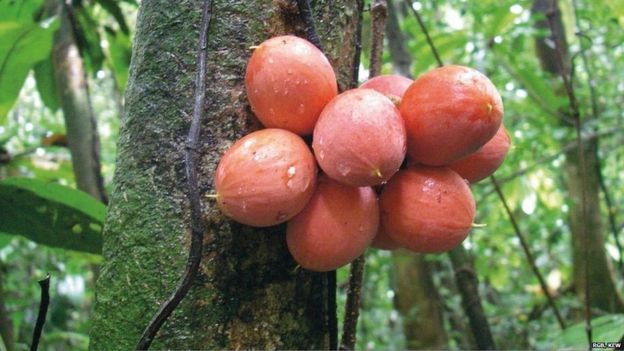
x=495 y=36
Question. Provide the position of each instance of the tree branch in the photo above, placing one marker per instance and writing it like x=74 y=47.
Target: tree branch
x=43 y=311
x=190 y=158
x=352 y=308
x=378 y=14
x=424 y=30
x=574 y=110
x=527 y=252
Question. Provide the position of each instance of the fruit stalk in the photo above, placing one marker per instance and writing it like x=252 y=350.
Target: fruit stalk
x=190 y=158
x=379 y=12
x=305 y=12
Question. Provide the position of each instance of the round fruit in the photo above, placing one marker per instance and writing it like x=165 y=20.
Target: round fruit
x=427 y=209
x=265 y=178
x=485 y=162
x=288 y=82
x=389 y=85
x=336 y=226
x=450 y=112
x=359 y=139
x=383 y=241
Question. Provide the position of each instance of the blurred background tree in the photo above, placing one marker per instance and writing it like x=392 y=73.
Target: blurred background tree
x=63 y=70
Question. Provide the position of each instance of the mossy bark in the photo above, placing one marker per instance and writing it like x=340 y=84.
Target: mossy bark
x=249 y=293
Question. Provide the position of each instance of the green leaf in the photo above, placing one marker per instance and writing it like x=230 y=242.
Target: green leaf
x=112 y=7
x=5 y=240
x=608 y=328
x=20 y=11
x=119 y=52
x=51 y=214
x=88 y=39
x=21 y=46
x=46 y=83
x=498 y=22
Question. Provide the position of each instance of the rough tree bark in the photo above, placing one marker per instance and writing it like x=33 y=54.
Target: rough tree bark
x=604 y=294
x=249 y=292
x=80 y=122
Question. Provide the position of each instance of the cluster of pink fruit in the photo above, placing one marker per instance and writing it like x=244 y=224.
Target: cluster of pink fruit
x=419 y=157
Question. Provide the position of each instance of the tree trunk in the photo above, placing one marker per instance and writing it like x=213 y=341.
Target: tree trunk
x=80 y=122
x=418 y=302
x=401 y=59
x=588 y=246
x=249 y=292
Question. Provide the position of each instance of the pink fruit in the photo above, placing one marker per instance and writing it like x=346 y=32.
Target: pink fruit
x=427 y=209
x=383 y=241
x=449 y=113
x=389 y=85
x=265 y=178
x=336 y=226
x=485 y=162
x=288 y=82
x=359 y=139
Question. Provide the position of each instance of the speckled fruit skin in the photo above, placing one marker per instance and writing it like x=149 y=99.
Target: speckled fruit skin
x=359 y=139
x=336 y=226
x=265 y=178
x=449 y=113
x=288 y=82
x=388 y=84
x=383 y=241
x=485 y=162
x=427 y=209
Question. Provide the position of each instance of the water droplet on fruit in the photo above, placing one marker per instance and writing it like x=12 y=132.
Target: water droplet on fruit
x=285 y=91
x=281 y=216
x=297 y=82
x=321 y=155
x=429 y=183
x=244 y=206
x=272 y=111
x=290 y=71
x=291 y=171
x=361 y=229
x=240 y=190
x=343 y=169
x=301 y=109
x=270 y=60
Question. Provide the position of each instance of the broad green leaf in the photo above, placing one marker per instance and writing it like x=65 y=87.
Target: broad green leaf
x=22 y=45
x=112 y=7
x=498 y=22
x=46 y=83
x=617 y=8
x=608 y=328
x=88 y=39
x=4 y=240
x=119 y=51
x=20 y=10
x=51 y=214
